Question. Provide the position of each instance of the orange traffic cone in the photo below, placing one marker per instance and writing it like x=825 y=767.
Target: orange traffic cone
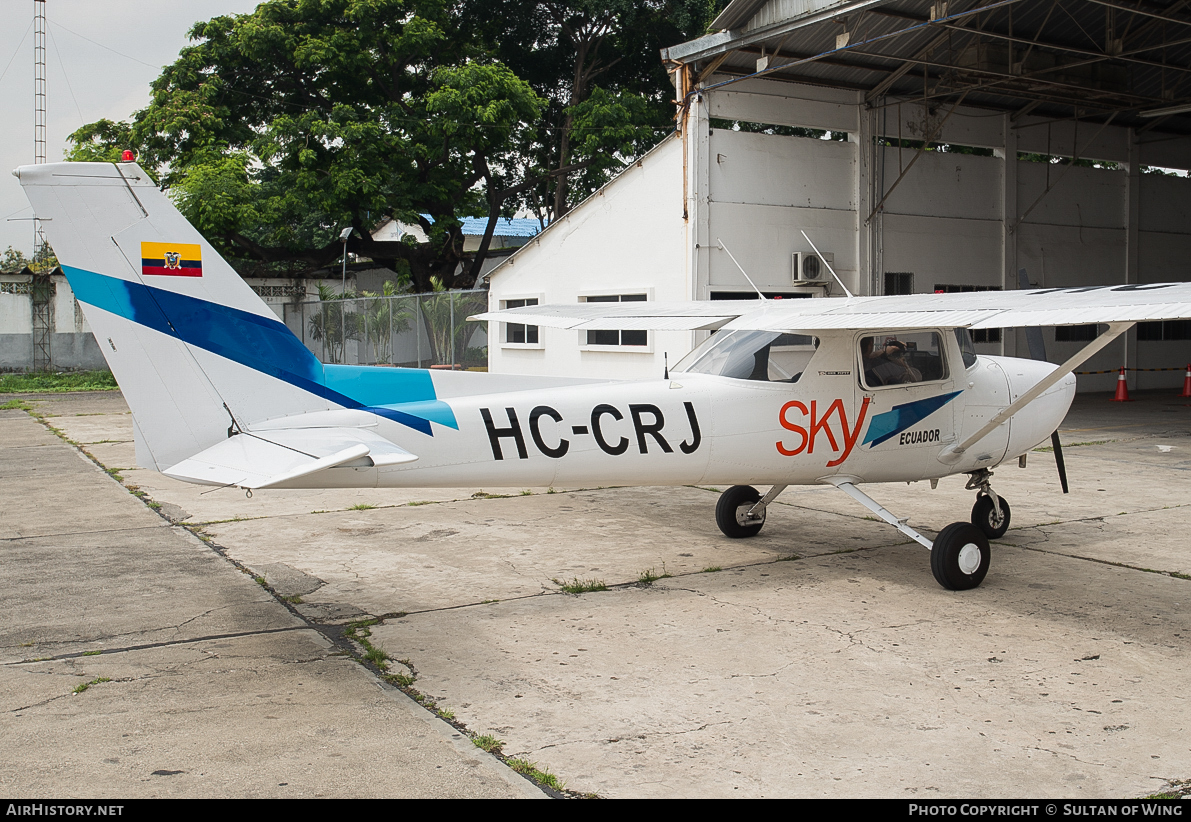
x=1122 y=394
x=1187 y=382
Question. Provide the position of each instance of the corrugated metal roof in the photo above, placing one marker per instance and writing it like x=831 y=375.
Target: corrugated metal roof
x=1100 y=56
x=505 y=226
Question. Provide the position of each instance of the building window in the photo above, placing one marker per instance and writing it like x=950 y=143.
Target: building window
x=1076 y=333
x=1168 y=330
x=14 y=288
x=599 y=337
x=980 y=335
x=518 y=332
x=899 y=282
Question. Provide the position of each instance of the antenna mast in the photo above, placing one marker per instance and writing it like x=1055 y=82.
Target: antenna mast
x=39 y=111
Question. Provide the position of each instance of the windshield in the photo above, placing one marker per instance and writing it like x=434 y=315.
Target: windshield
x=768 y=356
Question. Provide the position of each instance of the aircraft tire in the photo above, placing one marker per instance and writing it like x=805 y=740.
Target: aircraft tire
x=960 y=556
x=984 y=517
x=730 y=510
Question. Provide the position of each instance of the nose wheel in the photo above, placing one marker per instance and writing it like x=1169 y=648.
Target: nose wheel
x=990 y=513
x=991 y=517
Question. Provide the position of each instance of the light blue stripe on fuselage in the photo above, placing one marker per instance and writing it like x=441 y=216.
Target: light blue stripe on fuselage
x=265 y=344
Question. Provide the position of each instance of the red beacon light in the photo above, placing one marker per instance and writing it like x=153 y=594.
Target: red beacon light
x=127 y=156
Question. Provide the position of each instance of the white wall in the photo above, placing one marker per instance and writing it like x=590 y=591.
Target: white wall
x=630 y=237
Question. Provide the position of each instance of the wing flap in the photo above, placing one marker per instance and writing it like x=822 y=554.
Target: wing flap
x=271 y=458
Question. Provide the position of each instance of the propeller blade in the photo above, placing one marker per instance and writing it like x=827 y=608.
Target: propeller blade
x=1062 y=466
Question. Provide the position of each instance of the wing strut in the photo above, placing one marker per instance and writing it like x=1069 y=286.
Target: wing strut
x=846 y=485
x=953 y=453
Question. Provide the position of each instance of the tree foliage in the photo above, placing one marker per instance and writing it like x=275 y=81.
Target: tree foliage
x=277 y=129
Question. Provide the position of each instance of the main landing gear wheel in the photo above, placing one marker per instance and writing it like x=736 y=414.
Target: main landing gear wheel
x=992 y=522
x=731 y=512
x=960 y=557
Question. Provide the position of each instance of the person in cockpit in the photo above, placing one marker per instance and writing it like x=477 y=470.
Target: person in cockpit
x=888 y=366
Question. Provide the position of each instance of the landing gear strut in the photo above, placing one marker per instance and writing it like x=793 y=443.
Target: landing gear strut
x=990 y=513
x=740 y=512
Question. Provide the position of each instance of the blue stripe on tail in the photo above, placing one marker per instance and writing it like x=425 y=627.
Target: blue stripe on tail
x=266 y=345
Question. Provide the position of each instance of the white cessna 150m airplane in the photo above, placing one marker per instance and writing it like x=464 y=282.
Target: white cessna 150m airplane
x=842 y=391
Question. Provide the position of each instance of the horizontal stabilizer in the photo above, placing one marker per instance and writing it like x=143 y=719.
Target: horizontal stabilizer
x=273 y=458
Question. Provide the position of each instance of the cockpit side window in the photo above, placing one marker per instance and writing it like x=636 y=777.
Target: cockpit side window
x=902 y=358
x=967 y=348
x=761 y=356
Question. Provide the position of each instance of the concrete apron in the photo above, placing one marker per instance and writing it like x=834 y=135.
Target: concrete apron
x=820 y=659
x=136 y=661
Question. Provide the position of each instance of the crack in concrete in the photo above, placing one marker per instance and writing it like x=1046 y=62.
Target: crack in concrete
x=71 y=693
x=163 y=644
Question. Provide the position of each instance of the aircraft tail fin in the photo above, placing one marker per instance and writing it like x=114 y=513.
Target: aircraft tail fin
x=196 y=352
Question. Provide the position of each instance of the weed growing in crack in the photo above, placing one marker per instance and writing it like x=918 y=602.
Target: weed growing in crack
x=377 y=656
x=581 y=586
x=361 y=506
x=446 y=713
x=260 y=581
x=527 y=493
x=530 y=769
x=92 y=653
x=487 y=743
x=790 y=558
x=711 y=569
x=650 y=575
x=293 y=600
x=418 y=502
x=79 y=689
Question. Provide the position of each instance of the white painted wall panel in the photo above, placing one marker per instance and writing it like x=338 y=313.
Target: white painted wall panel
x=1165 y=204
x=967 y=126
x=757 y=101
x=1164 y=257
x=1039 y=136
x=945 y=185
x=773 y=170
x=1061 y=256
x=763 y=238
x=1160 y=151
x=1088 y=197
x=16 y=314
x=943 y=251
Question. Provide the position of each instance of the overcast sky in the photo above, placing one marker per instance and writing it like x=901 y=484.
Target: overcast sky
x=100 y=59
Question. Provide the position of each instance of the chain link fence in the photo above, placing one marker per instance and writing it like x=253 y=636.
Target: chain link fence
x=408 y=330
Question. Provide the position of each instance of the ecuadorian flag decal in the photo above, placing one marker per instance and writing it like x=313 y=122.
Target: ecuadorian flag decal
x=171 y=260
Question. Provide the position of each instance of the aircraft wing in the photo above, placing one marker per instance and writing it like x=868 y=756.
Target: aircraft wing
x=978 y=309
x=272 y=458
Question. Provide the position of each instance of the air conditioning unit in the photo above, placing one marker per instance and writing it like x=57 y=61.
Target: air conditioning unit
x=807 y=267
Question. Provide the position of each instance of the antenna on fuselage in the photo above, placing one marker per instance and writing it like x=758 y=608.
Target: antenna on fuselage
x=760 y=296
x=829 y=268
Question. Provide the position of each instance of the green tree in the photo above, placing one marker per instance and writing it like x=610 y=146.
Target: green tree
x=15 y=261
x=596 y=63
x=276 y=129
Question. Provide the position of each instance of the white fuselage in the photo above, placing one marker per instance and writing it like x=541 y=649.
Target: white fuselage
x=697 y=428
